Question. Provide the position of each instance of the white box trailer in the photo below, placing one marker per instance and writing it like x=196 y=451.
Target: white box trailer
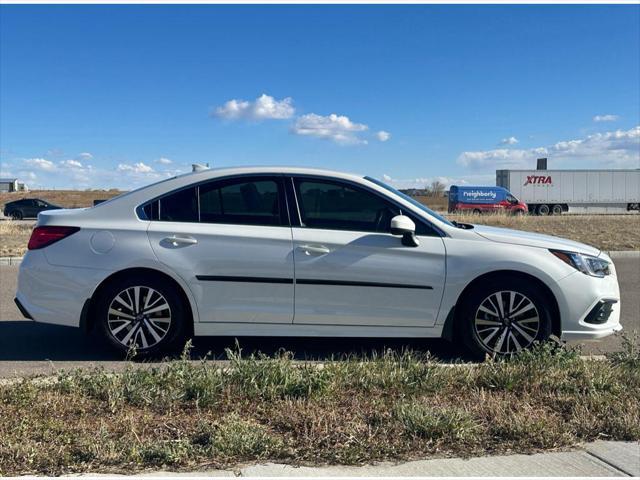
x=578 y=191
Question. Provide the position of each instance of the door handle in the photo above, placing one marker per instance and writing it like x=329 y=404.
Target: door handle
x=177 y=241
x=315 y=249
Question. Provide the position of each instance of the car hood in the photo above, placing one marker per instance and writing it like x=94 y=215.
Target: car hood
x=518 y=237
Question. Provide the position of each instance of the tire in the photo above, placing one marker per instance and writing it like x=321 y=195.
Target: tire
x=518 y=213
x=161 y=331
x=483 y=327
x=476 y=211
x=556 y=210
x=17 y=215
x=543 y=210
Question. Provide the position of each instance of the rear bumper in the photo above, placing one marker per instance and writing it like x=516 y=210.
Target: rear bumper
x=54 y=294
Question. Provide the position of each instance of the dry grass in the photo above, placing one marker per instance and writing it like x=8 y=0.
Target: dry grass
x=188 y=415
x=63 y=198
x=607 y=232
x=15 y=236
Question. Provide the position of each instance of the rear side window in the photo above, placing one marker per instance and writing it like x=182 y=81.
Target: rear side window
x=181 y=206
x=337 y=206
x=240 y=201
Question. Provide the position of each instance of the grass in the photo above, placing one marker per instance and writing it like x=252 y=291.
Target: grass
x=189 y=415
x=607 y=232
x=63 y=198
x=15 y=236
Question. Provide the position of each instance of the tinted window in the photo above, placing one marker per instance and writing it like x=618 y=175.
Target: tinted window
x=338 y=206
x=181 y=206
x=243 y=202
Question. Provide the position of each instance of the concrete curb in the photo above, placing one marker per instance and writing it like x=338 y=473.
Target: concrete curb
x=613 y=254
x=624 y=254
x=596 y=459
x=10 y=260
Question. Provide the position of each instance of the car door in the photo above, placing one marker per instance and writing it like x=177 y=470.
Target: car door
x=29 y=208
x=230 y=240
x=350 y=270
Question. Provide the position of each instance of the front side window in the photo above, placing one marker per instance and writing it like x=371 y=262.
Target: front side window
x=339 y=206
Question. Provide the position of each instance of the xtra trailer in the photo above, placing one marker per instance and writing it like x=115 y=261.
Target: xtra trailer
x=579 y=191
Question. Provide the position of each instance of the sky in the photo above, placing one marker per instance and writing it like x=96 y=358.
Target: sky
x=118 y=96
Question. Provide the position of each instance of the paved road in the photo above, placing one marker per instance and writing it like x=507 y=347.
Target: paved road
x=29 y=348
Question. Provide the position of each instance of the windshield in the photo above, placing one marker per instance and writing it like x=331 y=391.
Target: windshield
x=421 y=206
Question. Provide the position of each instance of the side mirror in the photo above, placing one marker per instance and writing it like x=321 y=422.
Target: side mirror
x=403 y=225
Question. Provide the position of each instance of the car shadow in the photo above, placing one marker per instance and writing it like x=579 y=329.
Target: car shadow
x=30 y=341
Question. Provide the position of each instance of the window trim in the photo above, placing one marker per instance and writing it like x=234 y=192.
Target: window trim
x=437 y=232
x=277 y=178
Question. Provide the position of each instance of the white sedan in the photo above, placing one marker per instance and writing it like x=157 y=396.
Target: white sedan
x=268 y=251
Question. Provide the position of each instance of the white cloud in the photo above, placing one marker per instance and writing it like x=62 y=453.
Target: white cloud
x=337 y=128
x=616 y=149
x=164 y=161
x=383 y=136
x=605 y=118
x=71 y=164
x=84 y=156
x=40 y=163
x=139 y=167
x=264 y=107
x=509 y=141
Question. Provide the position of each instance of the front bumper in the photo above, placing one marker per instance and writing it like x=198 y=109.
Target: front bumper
x=582 y=295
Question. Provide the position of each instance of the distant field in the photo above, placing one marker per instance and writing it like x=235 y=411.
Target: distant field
x=64 y=198
x=608 y=232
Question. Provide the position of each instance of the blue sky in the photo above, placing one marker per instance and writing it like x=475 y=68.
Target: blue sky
x=118 y=96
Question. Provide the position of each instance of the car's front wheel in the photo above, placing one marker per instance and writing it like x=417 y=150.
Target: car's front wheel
x=504 y=316
x=143 y=314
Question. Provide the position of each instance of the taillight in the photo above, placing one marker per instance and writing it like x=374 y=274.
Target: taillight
x=43 y=236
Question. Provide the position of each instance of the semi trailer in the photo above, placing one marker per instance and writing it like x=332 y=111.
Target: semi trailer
x=577 y=191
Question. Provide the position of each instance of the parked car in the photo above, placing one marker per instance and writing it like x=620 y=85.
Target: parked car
x=305 y=252
x=484 y=200
x=27 y=208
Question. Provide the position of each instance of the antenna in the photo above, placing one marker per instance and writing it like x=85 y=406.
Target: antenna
x=199 y=167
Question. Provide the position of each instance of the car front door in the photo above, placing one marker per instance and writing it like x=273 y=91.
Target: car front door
x=230 y=240
x=350 y=270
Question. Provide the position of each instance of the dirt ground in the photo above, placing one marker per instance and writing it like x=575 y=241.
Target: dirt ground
x=607 y=232
x=63 y=198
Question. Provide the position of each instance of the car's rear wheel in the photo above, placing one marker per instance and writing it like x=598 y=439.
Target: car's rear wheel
x=503 y=316
x=17 y=215
x=144 y=315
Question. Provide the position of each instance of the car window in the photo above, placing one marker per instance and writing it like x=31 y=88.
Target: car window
x=181 y=206
x=241 y=202
x=340 y=206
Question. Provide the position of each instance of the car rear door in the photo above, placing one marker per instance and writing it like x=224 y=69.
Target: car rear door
x=350 y=270
x=230 y=240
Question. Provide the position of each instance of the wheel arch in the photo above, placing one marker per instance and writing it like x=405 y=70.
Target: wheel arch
x=88 y=315
x=556 y=321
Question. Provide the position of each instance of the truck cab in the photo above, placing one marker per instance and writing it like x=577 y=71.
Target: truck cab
x=480 y=199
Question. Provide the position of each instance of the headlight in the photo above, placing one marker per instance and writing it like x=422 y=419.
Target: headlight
x=594 y=266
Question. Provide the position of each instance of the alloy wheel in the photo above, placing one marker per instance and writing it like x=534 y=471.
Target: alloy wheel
x=139 y=316
x=506 y=322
